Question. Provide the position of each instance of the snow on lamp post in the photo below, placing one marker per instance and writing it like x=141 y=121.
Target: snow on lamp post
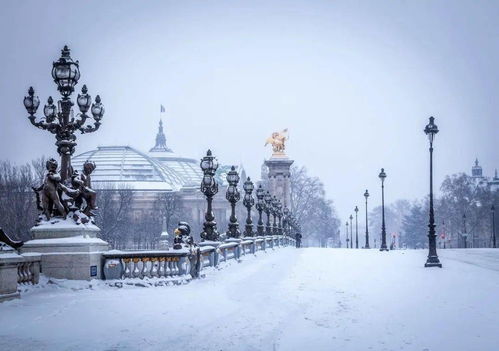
x=356 y=228
x=268 y=209
x=431 y=130
x=248 y=202
x=233 y=196
x=209 y=188
x=382 y=176
x=366 y=195
x=260 y=206
x=60 y=120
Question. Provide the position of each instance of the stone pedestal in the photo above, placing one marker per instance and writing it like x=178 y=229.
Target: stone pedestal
x=8 y=275
x=69 y=251
x=279 y=177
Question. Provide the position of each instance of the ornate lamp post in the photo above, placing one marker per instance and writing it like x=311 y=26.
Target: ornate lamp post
x=233 y=196
x=351 y=232
x=59 y=120
x=260 y=206
x=274 y=210
x=356 y=228
x=209 y=188
x=268 y=210
x=285 y=220
x=382 y=176
x=493 y=210
x=347 y=239
x=431 y=130
x=366 y=195
x=465 y=232
x=248 y=202
x=279 y=218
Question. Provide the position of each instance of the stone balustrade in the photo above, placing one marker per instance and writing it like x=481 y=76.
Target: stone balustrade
x=176 y=263
x=17 y=269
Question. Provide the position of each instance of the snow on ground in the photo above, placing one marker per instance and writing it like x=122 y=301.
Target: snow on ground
x=307 y=299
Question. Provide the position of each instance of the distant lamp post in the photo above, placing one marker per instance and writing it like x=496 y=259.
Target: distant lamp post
x=356 y=228
x=351 y=232
x=233 y=196
x=366 y=195
x=279 y=218
x=285 y=220
x=268 y=210
x=248 y=202
x=59 y=120
x=465 y=232
x=382 y=176
x=493 y=210
x=431 y=130
x=209 y=188
x=274 y=215
x=260 y=206
x=347 y=239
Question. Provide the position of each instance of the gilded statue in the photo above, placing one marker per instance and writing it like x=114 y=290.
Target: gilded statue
x=278 y=141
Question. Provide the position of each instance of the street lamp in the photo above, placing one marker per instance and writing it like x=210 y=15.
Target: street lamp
x=382 y=176
x=273 y=210
x=356 y=228
x=493 y=210
x=465 y=232
x=366 y=195
x=347 y=240
x=260 y=206
x=285 y=220
x=431 y=130
x=209 y=188
x=351 y=230
x=233 y=196
x=60 y=120
x=279 y=217
x=268 y=209
x=248 y=202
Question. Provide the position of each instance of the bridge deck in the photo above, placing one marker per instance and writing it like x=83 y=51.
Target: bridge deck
x=308 y=299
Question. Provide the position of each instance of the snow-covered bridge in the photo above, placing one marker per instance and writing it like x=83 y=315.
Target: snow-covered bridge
x=313 y=299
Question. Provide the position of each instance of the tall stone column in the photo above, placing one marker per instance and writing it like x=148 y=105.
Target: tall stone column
x=279 y=177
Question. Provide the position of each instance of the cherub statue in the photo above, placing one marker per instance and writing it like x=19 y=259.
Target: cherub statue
x=87 y=192
x=49 y=190
x=277 y=140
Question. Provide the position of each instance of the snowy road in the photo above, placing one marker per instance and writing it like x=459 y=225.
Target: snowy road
x=312 y=299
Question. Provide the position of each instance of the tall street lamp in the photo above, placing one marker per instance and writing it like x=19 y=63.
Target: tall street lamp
x=59 y=120
x=233 y=196
x=285 y=220
x=260 y=206
x=493 y=210
x=351 y=230
x=209 y=188
x=465 y=232
x=248 y=202
x=274 y=209
x=366 y=195
x=431 y=130
x=268 y=209
x=347 y=239
x=356 y=228
x=382 y=176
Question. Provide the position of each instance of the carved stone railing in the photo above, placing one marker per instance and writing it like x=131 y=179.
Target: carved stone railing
x=17 y=269
x=176 y=263
x=28 y=271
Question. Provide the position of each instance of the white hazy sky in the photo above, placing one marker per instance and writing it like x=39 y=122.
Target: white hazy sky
x=354 y=81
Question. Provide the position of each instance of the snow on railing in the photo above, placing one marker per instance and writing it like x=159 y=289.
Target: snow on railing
x=178 y=263
x=28 y=270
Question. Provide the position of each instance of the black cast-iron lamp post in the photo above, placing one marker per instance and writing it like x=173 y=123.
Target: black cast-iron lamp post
x=465 y=232
x=209 y=188
x=382 y=176
x=347 y=239
x=351 y=232
x=356 y=228
x=233 y=196
x=279 y=217
x=366 y=195
x=493 y=210
x=268 y=210
x=285 y=220
x=59 y=120
x=274 y=210
x=260 y=206
x=431 y=130
x=248 y=202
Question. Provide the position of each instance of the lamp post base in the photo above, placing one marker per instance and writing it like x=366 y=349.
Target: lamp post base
x=384 y=249
x=433 y=261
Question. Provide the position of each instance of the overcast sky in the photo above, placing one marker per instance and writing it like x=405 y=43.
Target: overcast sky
x=353 y=81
